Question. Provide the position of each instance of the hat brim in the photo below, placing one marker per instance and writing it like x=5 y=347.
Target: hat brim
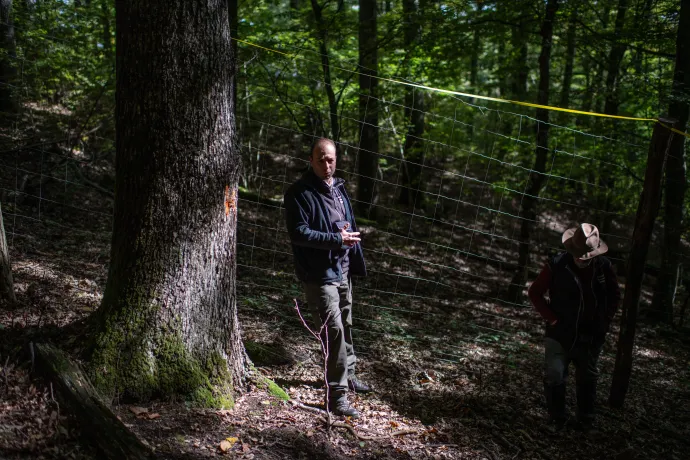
x=567 y=241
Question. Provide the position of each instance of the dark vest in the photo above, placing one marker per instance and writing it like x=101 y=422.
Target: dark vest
x=567 y=293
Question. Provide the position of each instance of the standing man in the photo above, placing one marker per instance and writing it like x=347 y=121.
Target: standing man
x=327 y=253
x=583 y=298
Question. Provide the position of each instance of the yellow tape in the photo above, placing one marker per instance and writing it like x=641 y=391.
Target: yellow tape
x=476 y=96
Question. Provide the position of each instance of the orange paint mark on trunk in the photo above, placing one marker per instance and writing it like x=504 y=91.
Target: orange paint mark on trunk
x=230 y=200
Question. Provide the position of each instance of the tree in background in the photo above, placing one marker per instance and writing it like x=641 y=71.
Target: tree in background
x=368 y=108
x=528 y=210
x=322 y=29
x=167 y=324
x=414 y=110
x=675 y=186
x=8 y=56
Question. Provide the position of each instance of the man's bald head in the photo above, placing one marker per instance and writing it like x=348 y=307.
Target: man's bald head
x=323 y=158
x=321 y=144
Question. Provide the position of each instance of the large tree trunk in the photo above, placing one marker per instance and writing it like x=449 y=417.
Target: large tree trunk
x=168 y=323
x=414 y=113
x=7 y=56
x=536 y=179
x=325 y=64
x=368 y=108
x=664 y=296
x=614 y=62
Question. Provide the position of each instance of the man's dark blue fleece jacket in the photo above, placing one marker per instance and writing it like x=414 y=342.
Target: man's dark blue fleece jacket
x=316 y=243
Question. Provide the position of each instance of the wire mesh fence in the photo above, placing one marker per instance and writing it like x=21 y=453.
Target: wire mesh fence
x=440 y=263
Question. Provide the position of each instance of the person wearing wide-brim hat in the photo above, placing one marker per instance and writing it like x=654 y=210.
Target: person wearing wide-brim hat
x=583 y=297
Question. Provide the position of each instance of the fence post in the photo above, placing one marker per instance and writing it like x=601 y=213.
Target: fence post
x=647 y=211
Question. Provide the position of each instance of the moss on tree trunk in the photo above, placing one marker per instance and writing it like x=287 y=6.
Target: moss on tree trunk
x=168 y=326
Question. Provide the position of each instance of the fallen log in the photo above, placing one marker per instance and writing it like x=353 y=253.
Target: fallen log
x=99 y=425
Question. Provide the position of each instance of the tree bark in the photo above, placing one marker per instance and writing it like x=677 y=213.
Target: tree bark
x=679 y=109
x=167 y=325
x=414 y=113
x=536 y=179
x=368 y=109
x=618 y=49
x=8 y=55
x=647 y=211
x=325 y=64
x=6 y=283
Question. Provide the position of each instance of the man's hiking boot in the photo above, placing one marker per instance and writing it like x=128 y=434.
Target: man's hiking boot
x=342 y=407
x=357 y=386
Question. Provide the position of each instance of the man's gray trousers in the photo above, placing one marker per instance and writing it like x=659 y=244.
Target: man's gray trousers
x=332 y=304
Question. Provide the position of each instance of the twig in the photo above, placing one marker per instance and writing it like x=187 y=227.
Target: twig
x=33 y=356
x=324 y=350
x=57 y=406
x=4 y=372
x=314 y=410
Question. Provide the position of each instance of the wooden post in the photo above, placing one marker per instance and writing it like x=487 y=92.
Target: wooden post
x=647 y=211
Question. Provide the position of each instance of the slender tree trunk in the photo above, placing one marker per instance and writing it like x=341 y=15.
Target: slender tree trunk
x=536 y=179
x=665 y=293
x=520 y=68
x=325 y=64
x=647 y=211
x=107 y=30
x=368 y=108
x=611 y=107
x=571 y=35
x=7 y=57
x=476 y=49
x=168 y=322
x=615 y=59
x=596 y=74
x=233 y=20
x=414 y=113
x=6 y=283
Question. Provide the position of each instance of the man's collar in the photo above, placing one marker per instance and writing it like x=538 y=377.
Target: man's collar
x=316 y=181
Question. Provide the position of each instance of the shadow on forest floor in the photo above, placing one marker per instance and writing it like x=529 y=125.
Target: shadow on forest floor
x=456 y=368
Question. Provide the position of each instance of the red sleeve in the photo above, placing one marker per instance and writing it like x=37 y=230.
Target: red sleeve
x=538 y=290
x=614 y=293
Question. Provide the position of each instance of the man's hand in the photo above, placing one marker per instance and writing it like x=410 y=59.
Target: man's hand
x=349 y=238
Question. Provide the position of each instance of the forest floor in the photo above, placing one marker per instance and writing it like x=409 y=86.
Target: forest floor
x=486 y=406
x=456 y=370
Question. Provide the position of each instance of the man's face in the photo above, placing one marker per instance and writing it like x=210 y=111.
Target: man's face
x=322 y=161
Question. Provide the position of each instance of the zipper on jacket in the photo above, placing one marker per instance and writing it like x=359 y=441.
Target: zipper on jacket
x=579 y=308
